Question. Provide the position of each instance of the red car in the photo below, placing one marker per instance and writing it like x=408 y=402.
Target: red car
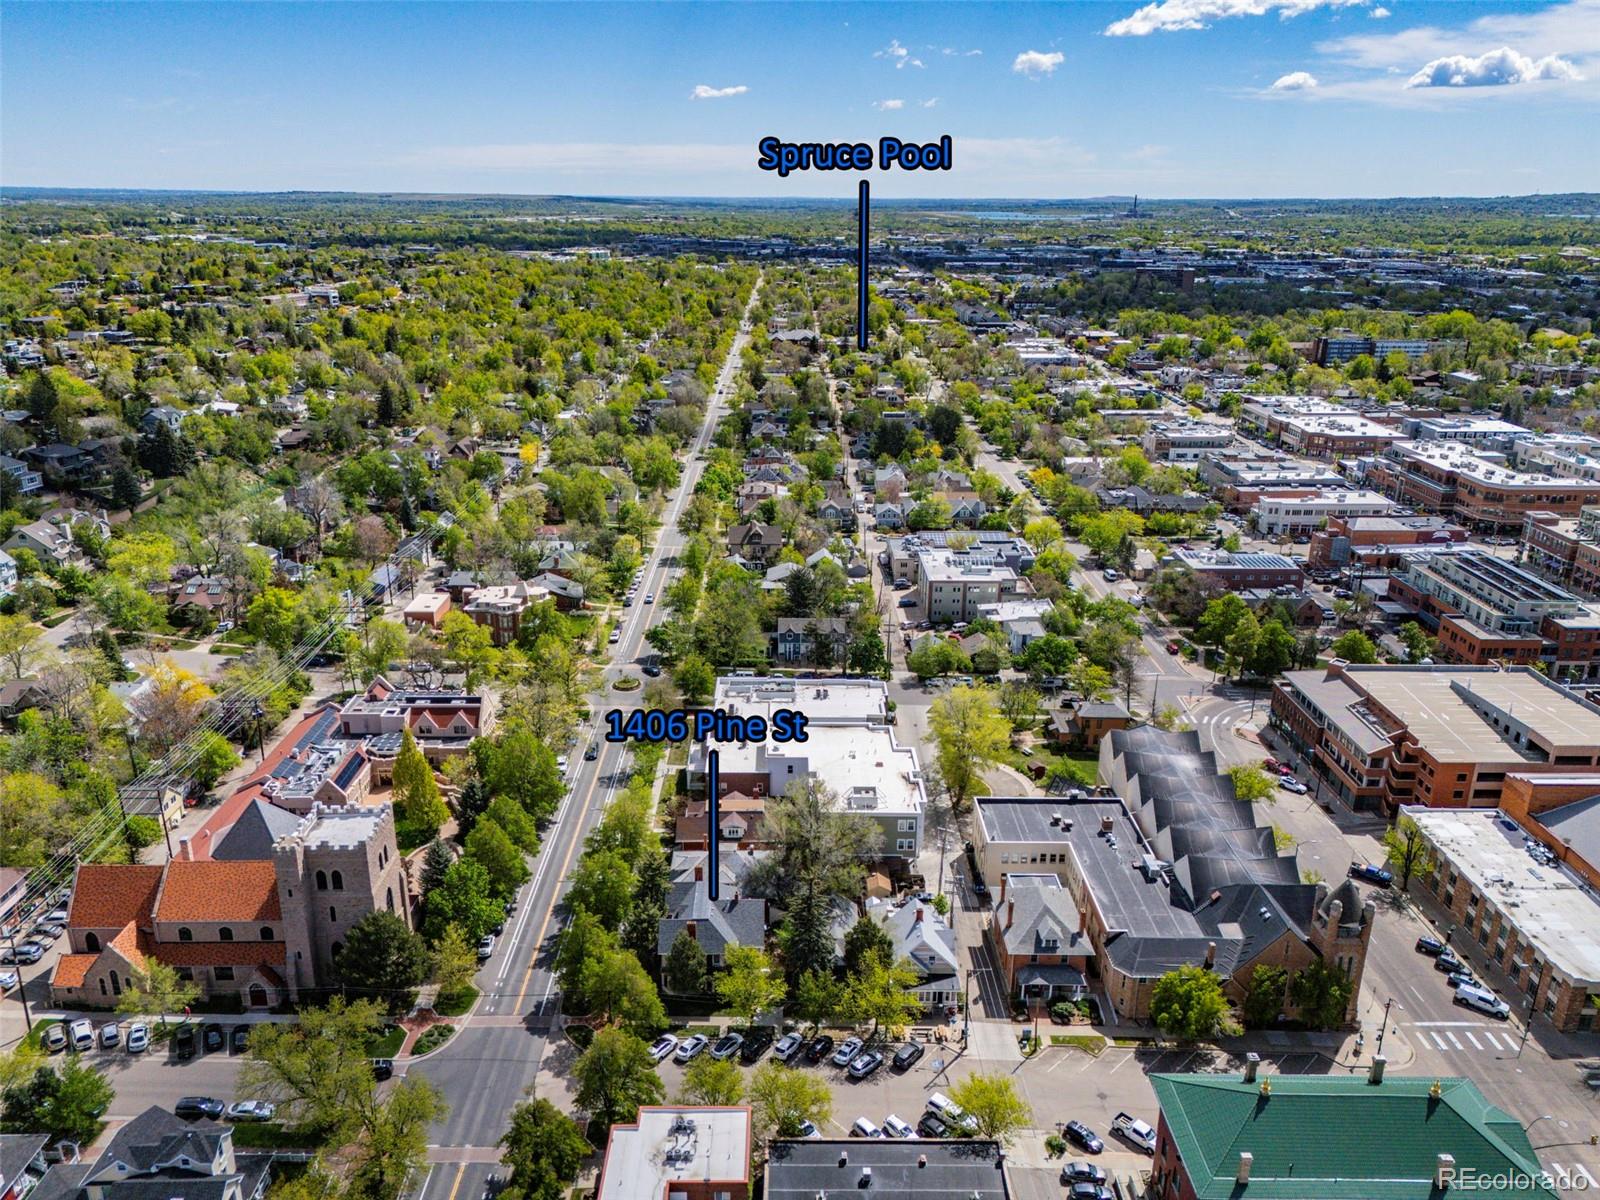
x=1272 y=764
x=1173 y=648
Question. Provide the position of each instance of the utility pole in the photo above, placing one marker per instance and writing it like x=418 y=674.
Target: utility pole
x=1384 y=1027
x=22 y=984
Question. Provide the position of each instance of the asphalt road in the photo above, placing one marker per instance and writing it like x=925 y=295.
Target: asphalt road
x=491 y=1062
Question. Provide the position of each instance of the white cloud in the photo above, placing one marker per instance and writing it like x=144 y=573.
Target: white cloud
x=950 y=51
x=1496 y=68
x=1035 y=62
x=1295 y=81
x=704 y=91
x=1380 y=13
x=1167 y=15
x=931 y=102
x=897 y=54
x=1571 y=30
x=889 y=105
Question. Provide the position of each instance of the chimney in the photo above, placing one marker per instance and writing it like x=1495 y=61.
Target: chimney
x=1083 y=921
x=184 y=853
x=692 y=930
x=1242 y=1177
x=918 y=918
x=1107 y=824
x=1252 y=1063
x=1211 y=955
x=1375 y=1072
x=1003 y=879
x=1011 y=912
x=699 y=874
x=1444 y=1172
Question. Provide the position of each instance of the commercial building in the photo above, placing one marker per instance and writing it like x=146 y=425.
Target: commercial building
x=1537 y=923
x=1229 y=572
x=1315 y=427
x=903 y=555
x=889 y=1167
x=1486 y=609
x=1489 y=433
x=1561 y=813
x=682 y=1152
x=1282 y=1137
x=1380 y=737
x=1566 y=549
x=850 y=749
x=1303 y=512
x=1165 y=868
x=1475 y=488
x=1566 y=455
x=1373 y=544
x=1336 y=349
x=1185 y=441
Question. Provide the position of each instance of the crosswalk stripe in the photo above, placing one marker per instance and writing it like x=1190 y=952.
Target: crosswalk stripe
x=1455 y=1040
x=1589 y=1180
x=1439 y=1041
x=1474 y=1041
x=1493 y=1041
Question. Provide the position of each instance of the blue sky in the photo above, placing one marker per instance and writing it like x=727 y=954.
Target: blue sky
x=1172 y=98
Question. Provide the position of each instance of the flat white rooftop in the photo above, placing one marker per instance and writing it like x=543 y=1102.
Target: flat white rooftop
x=676 y=1145
x=1551 y=910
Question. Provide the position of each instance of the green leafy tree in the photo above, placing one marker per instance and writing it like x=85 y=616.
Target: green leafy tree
x=464 y=899
x=1274 y=651
x=65 y=1102
x=865 y=937
x=1321 y=992
x=317 y=1070
x=711 y=1081
x=618 y=988
x=603 y=884
x=1354 y=647
x=214 y=758
x=684 y=971
x=818 y=998
x=749 y=983
x=393 y=1142
x=455 y=962
x=544 y=1149
x=381 y=959
x=994 y=1103
x=154 y=990
x=1220 y=619
x=695 y=679
x=1416 y=640
x=514 y=819
x=1251 y=783
x=1406 y=851
x=1263 y=999
x=935 y=656
x=1188 y=1003
x=971 y=735
x=782 y=1100
x=884 y=993
x=615 y=1076
x=492 y=848
x=419 y=808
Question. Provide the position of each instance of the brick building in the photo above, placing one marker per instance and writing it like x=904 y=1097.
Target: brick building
x=1371 y=545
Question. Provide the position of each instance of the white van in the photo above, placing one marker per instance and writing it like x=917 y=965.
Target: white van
x=948 y=1111
x=864 y=1128
x=1484 y=1001
x=80 y=1034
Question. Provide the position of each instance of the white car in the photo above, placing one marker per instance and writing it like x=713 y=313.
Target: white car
x=895 y=1127
x=138 y=1039
x=809 y=1130
x=1290 y=784
x=662 y=1046
x=788 y=1046
x=110 y=1035
x=8 y=980
x=251 y=1110
x=847 y=1050
x=691 y=1047
x=81 y=1035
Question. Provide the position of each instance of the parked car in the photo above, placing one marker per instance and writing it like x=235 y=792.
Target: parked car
x=194 y=1108
x=895 y=1127
x=1290 y=784
x=902 y=582
x=251 y=1110
x=1134 y=1131
x=48 y=931
x=788 y=1046
x=662 y=1046
x=908 y=602
x=727 y=1045
x=1483 y=1000
x=1174 y=648
x=1089 y=1191
x=55 y=1039
x=755 y=1043
x=1457 y=979
x=1110 y=575
x=138 y=1038
x=110 y=1035
x=1367 y=873
x=847 y=1050
x=239 y=1039
x=932 y=1127
x=614 y=636
x=808 y=1129
x=183 y=1041
x=819 y=1048
x=1083 y=1137
x=863 y=1128
x=485 y=947
x=951 y=1113
x=1432 y=947
x=211 y=1038
x=1273 y=765
x=908 y=1055
x=1083 y=1172
x=1447 y=962
x=382 y=1068
x=689 y=1048
x=864 y=1065
x=8 y=980
x=81 y=1034
x=27 y=953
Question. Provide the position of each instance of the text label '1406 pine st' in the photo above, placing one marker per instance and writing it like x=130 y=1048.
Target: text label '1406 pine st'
x=703 y=725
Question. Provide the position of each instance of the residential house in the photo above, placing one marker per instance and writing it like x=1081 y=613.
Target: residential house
x=922 y=938
x=1083 y=727
x=797 y=640
x=8 y=574
x=501 y=608
x=729 y=920
x=163 y=414
x=755 y=542
x=22 y=1163
x=426 y=610
x=1039 y=938
x=739 y=823
x=59 y=462
x=28 y=480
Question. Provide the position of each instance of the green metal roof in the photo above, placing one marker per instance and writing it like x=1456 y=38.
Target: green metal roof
x=1323 y=1137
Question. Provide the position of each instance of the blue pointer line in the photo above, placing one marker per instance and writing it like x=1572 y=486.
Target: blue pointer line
x=713 y=826
x=863 y=220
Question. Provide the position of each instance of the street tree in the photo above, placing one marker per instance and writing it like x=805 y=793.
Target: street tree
x=603 y=884
x=543 y=1149
x=455 y=962
x=464 y=899
x=711 y=1081
x=419 y=809
x=783 y=1100
x=492 y=848
x=994 y=1103
x=1321 y=993
x=393 y=1141
x=154 y=990
x=970 y=735
x=615 y=1075
x=1354 y=647
x=1406 y=851
x=1251 y=783
x=317 y=1070
x=749 y=983
x=381 y=959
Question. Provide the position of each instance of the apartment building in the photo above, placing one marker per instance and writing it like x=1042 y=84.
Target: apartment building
x=1566 y=455
x=1336 y=349
x=850 y=748
x=1238 y=483
x=1380 y=737
x=954 y=585
x=1488 y=433
x=902 y=555
x=501 y=607
x=1537 y=923
x=1297 y=512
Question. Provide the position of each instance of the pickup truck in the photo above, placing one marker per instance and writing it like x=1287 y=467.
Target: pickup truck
x=1133 y=1130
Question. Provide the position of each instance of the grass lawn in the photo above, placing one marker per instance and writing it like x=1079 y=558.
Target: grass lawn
x=1089 y=1043
x=387 y=1044
x=1084 y=765
x=59 y=618
x=229 y=651
x=455 y=1004
x=35 y=1038
x=270 y=1135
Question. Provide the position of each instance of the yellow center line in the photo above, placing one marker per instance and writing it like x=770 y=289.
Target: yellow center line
x=456 y=1186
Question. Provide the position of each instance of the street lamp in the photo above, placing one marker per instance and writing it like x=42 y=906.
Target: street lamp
x=1384 y=1027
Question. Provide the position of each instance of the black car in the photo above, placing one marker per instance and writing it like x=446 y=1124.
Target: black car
x=652 y=670
x=382 y=1068
x=1083 y=1137
x=241 y=1038
x=907 y=1055
x=1447 y=962
x=193 y=1108
x=1082 y=1172
x=819 y=1049
x=1432 y=947
x=932 y=1127
x=592 y=753
x=183 y=1041
x=211 y=1037
x=756 y=1043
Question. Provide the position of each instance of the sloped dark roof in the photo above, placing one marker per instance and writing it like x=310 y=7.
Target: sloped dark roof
x=252 y=835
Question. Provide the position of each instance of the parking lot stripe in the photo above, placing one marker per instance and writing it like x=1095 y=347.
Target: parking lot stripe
x=1439 y=1041
x=1454 y=1040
